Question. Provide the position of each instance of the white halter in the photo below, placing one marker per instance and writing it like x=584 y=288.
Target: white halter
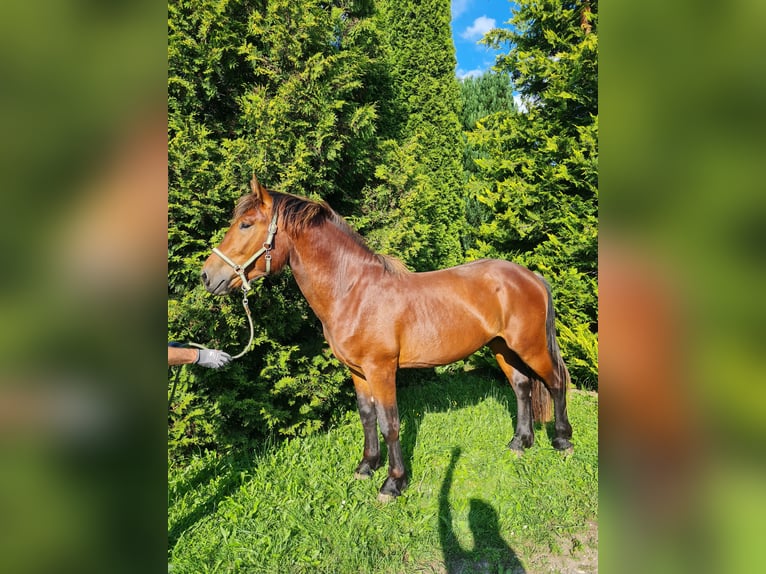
x=266 y=249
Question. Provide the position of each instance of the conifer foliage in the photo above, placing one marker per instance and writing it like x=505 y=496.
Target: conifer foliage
x=485 y=95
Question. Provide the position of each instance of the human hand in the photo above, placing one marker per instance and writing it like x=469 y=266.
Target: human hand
x=212 y=358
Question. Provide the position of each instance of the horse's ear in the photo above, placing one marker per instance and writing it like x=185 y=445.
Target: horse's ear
x=261 y=192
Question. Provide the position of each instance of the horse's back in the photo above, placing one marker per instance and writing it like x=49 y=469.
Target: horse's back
x=487 y=275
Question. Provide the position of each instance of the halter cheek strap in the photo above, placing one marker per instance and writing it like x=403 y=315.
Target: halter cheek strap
x=266 y=249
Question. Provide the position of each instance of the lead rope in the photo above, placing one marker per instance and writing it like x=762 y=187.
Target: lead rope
x=246 y=306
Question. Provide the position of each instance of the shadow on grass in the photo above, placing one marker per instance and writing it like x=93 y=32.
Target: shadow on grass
x=230 y=470
x=490 y=551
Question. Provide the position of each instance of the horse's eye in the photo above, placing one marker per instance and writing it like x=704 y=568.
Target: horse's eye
x=244 y=225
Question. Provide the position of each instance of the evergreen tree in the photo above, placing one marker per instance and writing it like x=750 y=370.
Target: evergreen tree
x=416 y=211
x=538 y=173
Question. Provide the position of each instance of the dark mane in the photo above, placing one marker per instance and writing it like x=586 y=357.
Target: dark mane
x=390 y=264
x=299 y=213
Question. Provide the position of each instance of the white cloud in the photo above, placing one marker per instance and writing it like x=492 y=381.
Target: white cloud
x=480 y=26
x=462 y=74
x=459 y=7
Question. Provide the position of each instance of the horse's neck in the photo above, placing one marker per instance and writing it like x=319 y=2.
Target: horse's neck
x=327 y=263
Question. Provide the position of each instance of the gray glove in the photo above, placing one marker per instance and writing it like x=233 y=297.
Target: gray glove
x=212 y=358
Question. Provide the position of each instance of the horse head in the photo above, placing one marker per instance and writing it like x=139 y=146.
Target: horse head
x=247 y=248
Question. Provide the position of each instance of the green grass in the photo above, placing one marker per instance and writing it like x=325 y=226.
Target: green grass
x=471 y=506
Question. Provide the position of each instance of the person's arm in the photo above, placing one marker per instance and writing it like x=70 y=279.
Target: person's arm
x=181 y=356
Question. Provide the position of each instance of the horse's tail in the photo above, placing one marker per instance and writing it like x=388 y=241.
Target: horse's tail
x=542 y=407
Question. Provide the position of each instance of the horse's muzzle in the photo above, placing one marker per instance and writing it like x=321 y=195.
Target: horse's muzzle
x=217 y=283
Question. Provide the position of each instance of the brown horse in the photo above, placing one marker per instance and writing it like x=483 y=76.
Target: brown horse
x=378 y=316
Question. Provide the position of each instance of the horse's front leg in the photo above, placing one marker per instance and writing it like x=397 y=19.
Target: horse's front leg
x=367 y=413
x=388 y=420
x=382 y=383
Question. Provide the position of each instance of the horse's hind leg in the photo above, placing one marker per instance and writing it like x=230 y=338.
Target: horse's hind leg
x=563 y=428
x=371 y=454
x=556 y=382
x=524 y=436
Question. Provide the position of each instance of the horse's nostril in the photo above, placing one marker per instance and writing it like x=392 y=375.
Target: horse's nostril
x=204 y=277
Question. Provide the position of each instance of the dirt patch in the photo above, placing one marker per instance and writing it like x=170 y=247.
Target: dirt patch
x=578 y=555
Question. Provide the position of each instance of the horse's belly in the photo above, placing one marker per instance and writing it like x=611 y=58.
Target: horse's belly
x=433 y=345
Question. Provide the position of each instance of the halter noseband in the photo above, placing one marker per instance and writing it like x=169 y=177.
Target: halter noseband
x=240 y=269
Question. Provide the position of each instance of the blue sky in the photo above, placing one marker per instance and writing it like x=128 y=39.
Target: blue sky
x=471 y=19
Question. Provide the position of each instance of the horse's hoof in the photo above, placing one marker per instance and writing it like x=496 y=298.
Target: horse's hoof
x=392 y=488
x=516 y=446
x=520 y=443
x=563 y=445
x=567 y=451
x=364 y=470
x=386 y=498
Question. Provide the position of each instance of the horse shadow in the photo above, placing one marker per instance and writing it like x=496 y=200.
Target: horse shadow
x=490 y=551
x=415 y=397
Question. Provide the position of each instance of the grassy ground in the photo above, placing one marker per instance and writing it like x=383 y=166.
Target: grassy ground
x=470 y=507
